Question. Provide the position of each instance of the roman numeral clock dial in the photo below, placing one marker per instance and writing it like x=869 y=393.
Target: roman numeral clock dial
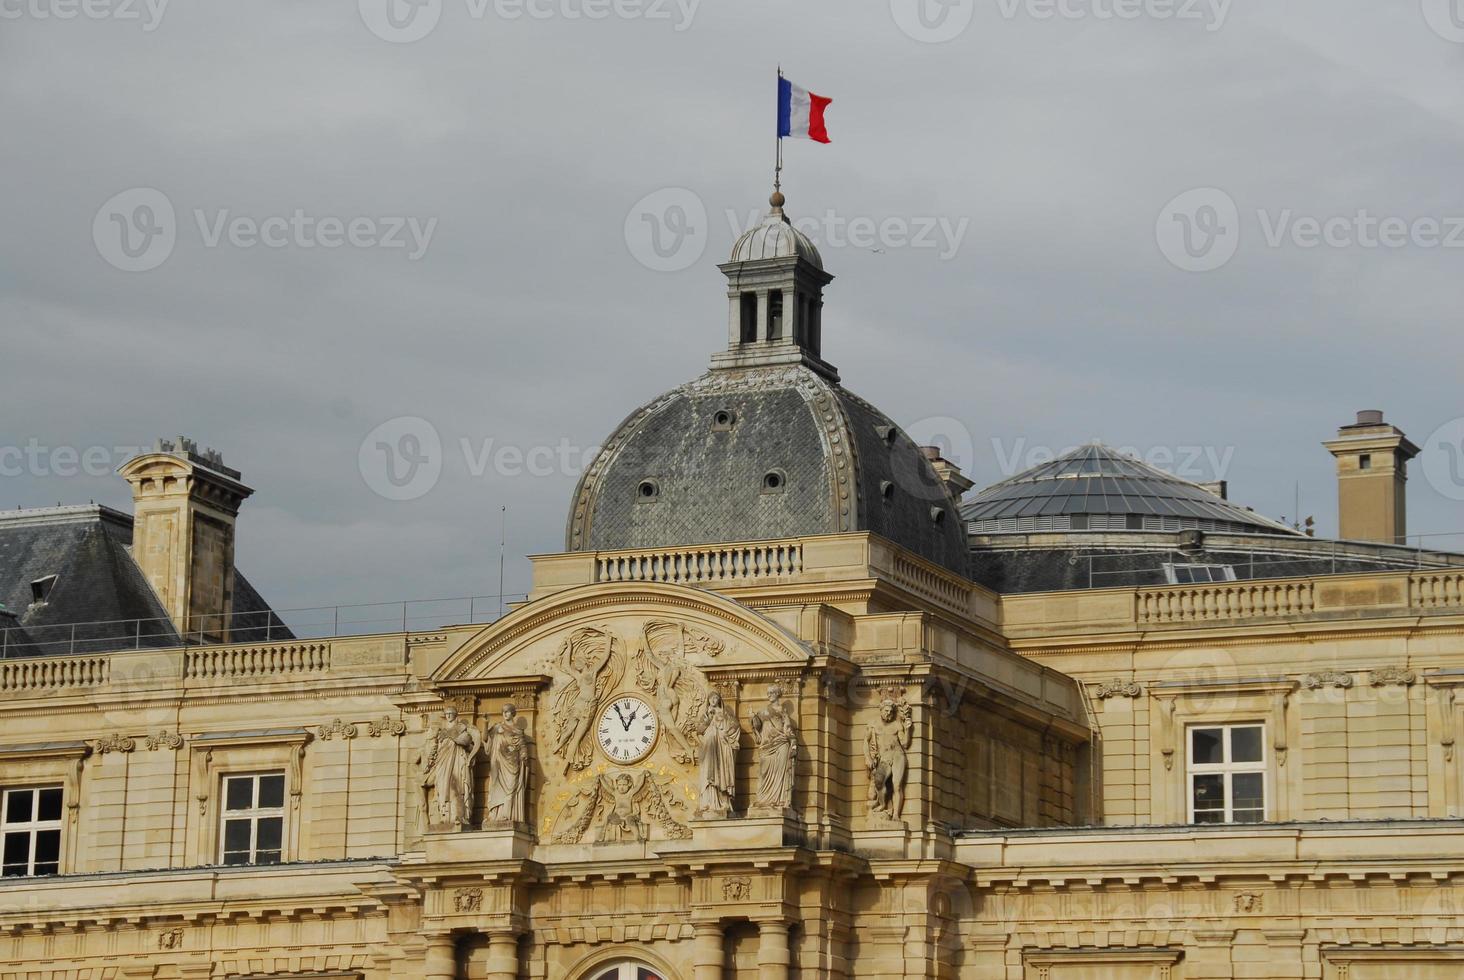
x=627 y=729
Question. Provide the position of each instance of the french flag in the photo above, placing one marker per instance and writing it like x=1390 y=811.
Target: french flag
x=801 y=113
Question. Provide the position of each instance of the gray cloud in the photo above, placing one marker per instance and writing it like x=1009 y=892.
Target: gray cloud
x=529 y=321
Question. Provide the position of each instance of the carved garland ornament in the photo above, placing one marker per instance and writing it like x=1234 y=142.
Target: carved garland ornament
x=1118 y=688
x=1396 y=676
x=1327 y=678
x=386 y=726
x=337 y=727
x=114 y=743
x=164 y=740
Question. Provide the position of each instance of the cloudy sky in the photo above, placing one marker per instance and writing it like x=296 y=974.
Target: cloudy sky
x=300 y=232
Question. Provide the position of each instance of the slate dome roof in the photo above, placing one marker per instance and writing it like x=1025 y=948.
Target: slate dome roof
x=1096 y=488
x=759 y=453
x=775 y=238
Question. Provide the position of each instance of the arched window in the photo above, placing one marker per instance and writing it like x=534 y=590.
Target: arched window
x=775 y=314
x=627 y=971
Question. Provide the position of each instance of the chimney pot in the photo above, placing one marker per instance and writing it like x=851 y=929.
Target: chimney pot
x=1370 y=416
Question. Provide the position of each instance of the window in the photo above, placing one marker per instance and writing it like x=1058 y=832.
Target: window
x=1189 y=574
x=628 y=971
x=31 y=823
x=1364 y=462
x=41 y=588
x=748 y=313
x=1227 y=774
x=254 y=818
x=775 y=314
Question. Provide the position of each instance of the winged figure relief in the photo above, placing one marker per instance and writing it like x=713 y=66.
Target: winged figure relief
x=620 y=806
x=588 y=662
x=679 y=689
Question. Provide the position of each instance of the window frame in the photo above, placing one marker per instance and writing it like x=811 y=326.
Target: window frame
x=1171 y=576
x=1227 y=770
x=33 y=827
x=253 y=814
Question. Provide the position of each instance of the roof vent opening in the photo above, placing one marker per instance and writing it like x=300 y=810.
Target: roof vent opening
x=888 y=433
x=647 y=491
x=723 y=420
x=937 y=515
x=887 y=490
x=41 y=588
x=774 y=481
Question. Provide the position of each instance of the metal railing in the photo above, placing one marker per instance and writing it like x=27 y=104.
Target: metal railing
x=309 y=622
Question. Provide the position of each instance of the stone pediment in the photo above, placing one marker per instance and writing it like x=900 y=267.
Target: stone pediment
x=708 y=630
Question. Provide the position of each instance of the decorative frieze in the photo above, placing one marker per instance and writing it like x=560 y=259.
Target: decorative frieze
x=466 y=900
x=736 y=889
x=1249 y=902
x=170 y=938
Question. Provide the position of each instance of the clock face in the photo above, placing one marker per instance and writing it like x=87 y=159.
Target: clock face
x=627 y=729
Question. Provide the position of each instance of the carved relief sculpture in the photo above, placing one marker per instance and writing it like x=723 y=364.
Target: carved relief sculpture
x=446 y=764
x=507 y=748
x=619 y=805
x=580 y=678
x=777 y=753
x=662 y=671
x=885 y=750
x=718 y=758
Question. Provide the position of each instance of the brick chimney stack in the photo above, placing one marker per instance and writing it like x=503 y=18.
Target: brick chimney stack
x=1372 y=476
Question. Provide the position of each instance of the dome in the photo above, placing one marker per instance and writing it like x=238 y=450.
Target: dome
x=1095 y=488
x=759 y=453
x=775 y=238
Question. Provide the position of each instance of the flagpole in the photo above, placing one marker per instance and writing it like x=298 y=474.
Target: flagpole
x=778 y=165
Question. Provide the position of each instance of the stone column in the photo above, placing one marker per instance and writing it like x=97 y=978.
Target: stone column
x=772 y=950
x=441 y=959
x=708 y=955
x=503 y=958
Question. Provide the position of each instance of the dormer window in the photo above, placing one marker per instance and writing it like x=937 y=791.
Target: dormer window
x=41 y=588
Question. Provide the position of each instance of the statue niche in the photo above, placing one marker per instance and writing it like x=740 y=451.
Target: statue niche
x=886 y=756
x=446 y=767
x=777 y=754
x=507 y=748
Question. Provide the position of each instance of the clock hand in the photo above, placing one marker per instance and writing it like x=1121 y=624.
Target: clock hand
x=632 y=718
x=619 y=713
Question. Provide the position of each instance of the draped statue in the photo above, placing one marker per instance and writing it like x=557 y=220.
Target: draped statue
x=446 y=764
x=777 y=753
x=718 y=756
x=507 y=747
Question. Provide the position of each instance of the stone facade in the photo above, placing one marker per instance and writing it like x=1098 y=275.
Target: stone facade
x=1044 y=830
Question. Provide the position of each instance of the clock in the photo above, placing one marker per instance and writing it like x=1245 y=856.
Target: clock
x=627 y=729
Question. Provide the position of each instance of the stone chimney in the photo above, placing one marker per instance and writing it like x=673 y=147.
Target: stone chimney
x=185 y=504
x=949 y=473
x=1372 y=476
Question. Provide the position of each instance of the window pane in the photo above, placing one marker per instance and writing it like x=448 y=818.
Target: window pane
x=268 y=835
x=1249 y=816
x=613 y=974
x=267 y=857
x=14 y=871
x=1209 y=794
x=48 y=848
x=17 y=850
x=1245 y=744
x=239 y=793
x=1207 y=745
x=50 y=804
x=1209 y=816
x=18 y=806
x=272 y=790
x=236 y=857
x=1182 y=575
x=643 y=974
x=236 y=835
x=1247 y=791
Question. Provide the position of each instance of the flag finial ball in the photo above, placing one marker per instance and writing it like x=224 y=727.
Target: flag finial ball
x=777 y=199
